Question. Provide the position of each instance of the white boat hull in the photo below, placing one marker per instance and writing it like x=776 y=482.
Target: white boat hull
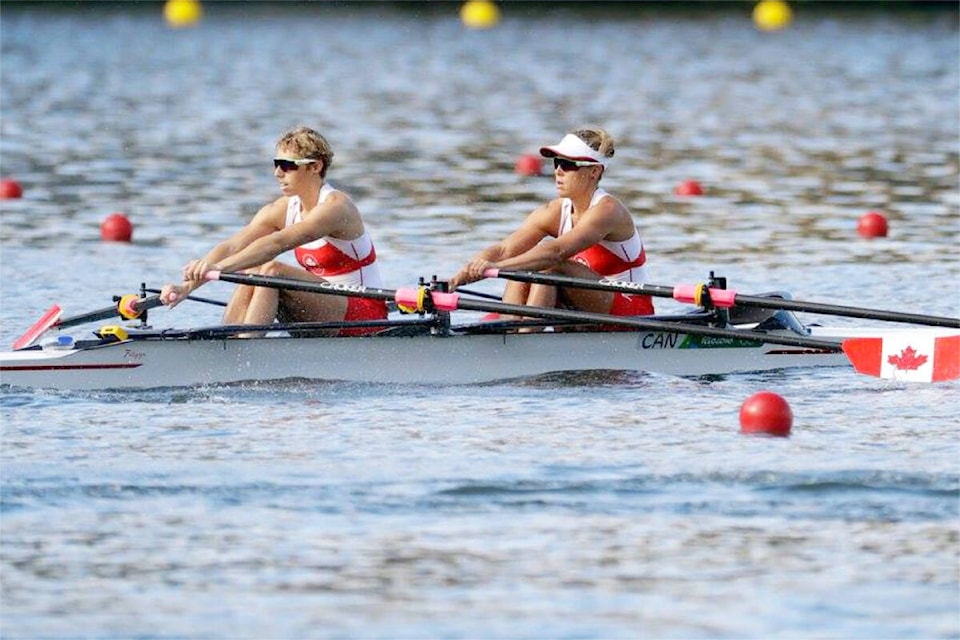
x=423 y=359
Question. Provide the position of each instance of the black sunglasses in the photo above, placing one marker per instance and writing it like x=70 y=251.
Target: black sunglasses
x=285 y=164
x=570 y=165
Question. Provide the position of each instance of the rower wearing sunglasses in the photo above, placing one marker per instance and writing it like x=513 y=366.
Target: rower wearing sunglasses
x=322 y=226
x=595 y=236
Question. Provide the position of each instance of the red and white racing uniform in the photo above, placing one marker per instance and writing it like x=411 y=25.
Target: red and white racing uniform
x=620 y=261
x=348 y=262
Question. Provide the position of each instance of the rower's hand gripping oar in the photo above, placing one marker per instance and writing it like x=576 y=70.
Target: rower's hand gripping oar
x=916 y=356
x=723 y=298
x=128 y=307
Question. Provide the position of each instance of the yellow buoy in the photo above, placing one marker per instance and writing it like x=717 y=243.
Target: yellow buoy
x=772 y=15
x=182 y=13
x=479 y=14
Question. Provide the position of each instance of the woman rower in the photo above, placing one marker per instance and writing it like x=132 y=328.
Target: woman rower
x=595 y=236
x=323 y=227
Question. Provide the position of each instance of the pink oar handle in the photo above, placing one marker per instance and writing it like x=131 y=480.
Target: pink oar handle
x=688 y=293
x=492 y=272
x=212 y=275
x=445 y=301
x=411 y=298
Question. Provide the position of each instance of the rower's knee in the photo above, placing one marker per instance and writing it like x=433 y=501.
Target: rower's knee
x=272 y=268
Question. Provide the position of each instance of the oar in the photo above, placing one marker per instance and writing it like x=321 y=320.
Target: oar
x=129 y=307
x=479 y=294
x=942 y=363
x=721 y=297
x=218 y=303
x=38 y=328
x=441 y=301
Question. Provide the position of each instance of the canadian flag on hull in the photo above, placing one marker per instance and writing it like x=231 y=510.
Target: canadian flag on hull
x=911 y=357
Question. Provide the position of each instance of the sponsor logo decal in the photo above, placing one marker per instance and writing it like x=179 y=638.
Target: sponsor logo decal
x=622 y=285
x=713 y=342
x=334 y=286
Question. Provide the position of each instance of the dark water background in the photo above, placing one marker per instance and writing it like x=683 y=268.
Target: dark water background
x=570 y=506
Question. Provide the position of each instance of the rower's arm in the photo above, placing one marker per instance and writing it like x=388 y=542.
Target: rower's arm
x=336 y=216
x=262 y=225
x=593 y=227
x=541 y=222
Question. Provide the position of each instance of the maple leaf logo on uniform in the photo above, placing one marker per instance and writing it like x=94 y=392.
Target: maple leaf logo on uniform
x=908 y=360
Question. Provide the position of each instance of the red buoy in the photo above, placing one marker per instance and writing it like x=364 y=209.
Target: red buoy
x=116 y=228
x=10 y=189
x=529 y=165
x=767 y=413
x=872 y=224
x=689 y=188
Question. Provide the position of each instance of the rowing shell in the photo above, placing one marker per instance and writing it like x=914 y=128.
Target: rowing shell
x=150 y=359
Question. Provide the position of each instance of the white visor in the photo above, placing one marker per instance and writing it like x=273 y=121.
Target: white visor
x=573 y=148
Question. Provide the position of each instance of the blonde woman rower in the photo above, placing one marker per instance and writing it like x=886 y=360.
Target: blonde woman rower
x=323 y=227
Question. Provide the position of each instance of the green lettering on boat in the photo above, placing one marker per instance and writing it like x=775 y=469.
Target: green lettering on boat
x=713 y=342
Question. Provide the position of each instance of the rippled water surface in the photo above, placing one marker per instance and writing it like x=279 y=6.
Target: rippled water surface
x=593 y=505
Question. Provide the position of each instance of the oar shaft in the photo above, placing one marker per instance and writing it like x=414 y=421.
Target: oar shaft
x=219 y=303
x=557 y=280
x=452 y=301
x=638 y=322
x=310 y=286
x=138 y=306
x=724 y=298
x=847 y=311
x=647 y=324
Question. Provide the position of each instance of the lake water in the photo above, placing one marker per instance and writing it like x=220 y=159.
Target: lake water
x=598 y=505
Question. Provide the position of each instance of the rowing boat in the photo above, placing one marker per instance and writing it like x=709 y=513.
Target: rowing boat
x=414 y=354
x=430 y=348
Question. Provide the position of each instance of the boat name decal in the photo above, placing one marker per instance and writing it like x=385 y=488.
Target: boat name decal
x=136 y=356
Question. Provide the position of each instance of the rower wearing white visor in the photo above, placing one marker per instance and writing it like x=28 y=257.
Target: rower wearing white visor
x=594 y=236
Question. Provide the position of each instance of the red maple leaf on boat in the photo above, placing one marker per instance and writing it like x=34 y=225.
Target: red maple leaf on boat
x=908 y=360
